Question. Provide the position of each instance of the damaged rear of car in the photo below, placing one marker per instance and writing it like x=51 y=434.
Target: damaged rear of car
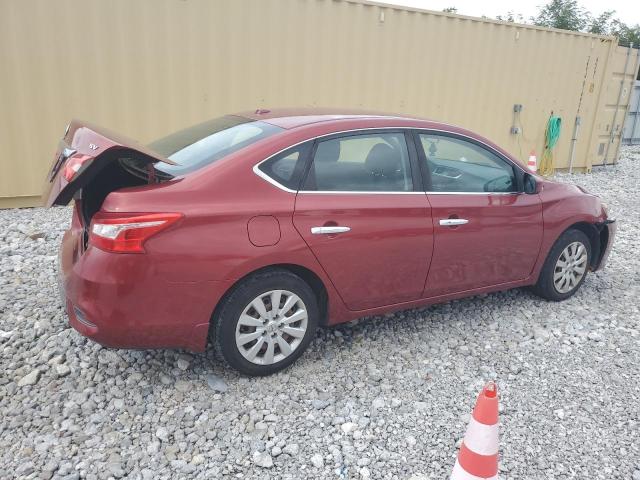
x=115 y=284
x=92 y=162
x=88 y=153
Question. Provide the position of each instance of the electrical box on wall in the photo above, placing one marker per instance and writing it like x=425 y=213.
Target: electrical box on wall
x=517 y=108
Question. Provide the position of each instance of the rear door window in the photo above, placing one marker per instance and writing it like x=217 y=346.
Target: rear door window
x=205 y=143
x=287 y=168
x=370 y=162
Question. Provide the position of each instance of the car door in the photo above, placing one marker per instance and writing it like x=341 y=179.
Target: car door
x=361 y=215
x=487 y=232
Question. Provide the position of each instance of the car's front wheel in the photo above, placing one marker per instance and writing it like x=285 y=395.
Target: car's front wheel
x=266 y=323
x=565 y=268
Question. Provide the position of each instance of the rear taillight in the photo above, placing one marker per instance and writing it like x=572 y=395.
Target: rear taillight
x=73 y=166
x=127 y=233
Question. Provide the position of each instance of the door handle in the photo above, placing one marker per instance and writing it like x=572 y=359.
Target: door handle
x=452 y=222
x=328 y=230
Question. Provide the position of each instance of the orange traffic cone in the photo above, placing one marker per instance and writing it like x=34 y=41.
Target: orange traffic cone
x=478 y=456
x=532 y=164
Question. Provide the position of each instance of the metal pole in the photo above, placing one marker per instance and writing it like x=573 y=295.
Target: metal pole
x=615 y=112
x=574 y=139
x=576 y=125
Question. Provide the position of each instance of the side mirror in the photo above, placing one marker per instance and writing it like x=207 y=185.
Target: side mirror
x=530 y=185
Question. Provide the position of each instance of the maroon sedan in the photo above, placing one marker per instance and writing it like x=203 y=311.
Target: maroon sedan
x=251 y=230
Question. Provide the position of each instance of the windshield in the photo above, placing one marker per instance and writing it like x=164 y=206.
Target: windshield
x=203 y=144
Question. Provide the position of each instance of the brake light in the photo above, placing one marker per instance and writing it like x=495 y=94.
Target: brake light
x=127 y=234
x=73 y=165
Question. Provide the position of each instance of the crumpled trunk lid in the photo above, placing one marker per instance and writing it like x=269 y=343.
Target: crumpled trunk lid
x=82 y=153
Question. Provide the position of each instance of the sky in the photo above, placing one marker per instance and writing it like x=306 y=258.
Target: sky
x=626 y=10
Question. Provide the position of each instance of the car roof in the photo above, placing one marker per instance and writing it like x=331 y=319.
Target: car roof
x=334 y=118
x=297 y=117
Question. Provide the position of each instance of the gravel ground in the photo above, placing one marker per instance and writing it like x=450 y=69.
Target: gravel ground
x=385 y=397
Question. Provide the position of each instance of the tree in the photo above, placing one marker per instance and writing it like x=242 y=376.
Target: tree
x=569 y=15
x=564 y=14
x=627 y=34
x=602 y=24
x=450 y=10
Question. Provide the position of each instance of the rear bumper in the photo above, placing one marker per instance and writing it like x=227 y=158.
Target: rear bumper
x=608 y=235
x=118 y=300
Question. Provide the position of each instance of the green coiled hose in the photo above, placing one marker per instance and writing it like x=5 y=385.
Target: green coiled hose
x=551 y=136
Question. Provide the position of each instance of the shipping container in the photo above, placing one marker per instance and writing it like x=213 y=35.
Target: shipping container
x=149 y=67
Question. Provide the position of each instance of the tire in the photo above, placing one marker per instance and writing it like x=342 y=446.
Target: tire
x=547 y=287
x=238 y=320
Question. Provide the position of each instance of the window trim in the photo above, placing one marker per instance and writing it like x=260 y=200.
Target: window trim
x=518 y=172
x=412 y=138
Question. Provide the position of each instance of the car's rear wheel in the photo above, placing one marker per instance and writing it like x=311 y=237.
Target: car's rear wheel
x=565 y=268
x=266 y=323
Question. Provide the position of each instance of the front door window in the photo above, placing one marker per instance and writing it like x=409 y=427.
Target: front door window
x=456 y=165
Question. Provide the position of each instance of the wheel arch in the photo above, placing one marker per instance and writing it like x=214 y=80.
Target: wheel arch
x=594 y=235
x=310 y=277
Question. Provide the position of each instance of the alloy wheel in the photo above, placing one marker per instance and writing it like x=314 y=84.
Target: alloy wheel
x=271 y=327
x=571 y=266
